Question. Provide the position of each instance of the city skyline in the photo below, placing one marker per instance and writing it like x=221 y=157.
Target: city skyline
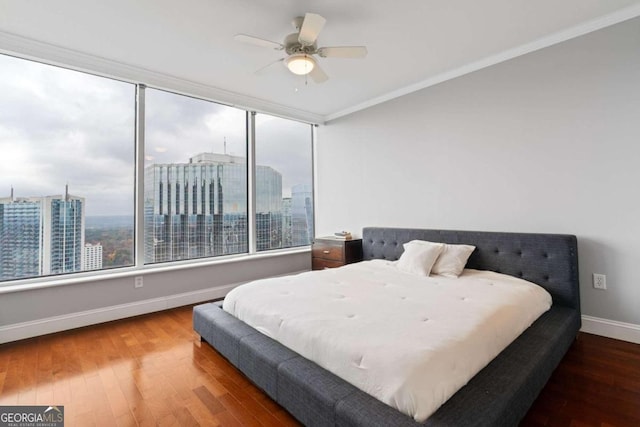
x=192 y=210
x=61 y=128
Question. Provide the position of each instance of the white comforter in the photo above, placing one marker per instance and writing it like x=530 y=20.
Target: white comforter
x=410 y=341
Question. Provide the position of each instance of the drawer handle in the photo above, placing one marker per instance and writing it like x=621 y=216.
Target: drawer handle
x=326 y=252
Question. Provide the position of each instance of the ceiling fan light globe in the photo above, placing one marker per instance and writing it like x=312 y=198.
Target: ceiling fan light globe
x=300 y=64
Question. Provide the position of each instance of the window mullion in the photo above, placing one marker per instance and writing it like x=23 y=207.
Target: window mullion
x=314 y=178
x=251 y=181
x=139 y=191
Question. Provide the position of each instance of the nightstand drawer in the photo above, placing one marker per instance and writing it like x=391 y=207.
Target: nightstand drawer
x=321 y=264
x=327 y=251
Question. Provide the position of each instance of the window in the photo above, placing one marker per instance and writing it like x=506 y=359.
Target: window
x=284 y=176
x=195 y=178
x=67 y=170
x=68 y=175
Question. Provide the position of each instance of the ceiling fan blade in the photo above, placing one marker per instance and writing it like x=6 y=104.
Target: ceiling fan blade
x=244 y=38
x=343 y=52
x=318 y=75
x=311 y=27
x=262 y=70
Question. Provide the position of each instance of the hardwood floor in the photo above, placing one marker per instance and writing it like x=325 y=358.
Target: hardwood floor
x=596 y=384
x=152 y=370
x=148 y=370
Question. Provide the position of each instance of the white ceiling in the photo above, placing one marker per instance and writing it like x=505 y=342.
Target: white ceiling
x=412 y=43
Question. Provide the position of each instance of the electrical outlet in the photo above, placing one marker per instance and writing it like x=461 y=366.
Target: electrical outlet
x=599 y=281
x=138 y=282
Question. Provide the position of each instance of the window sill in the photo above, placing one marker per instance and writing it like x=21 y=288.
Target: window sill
x=116 y=273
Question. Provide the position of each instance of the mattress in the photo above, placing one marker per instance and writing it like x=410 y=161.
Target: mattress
x=407 y=340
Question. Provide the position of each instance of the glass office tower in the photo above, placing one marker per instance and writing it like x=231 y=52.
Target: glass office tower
x=66 y=231
x=199 y=209
x=20 y=239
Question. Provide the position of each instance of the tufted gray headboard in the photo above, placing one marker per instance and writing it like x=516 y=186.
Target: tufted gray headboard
x=549 y=260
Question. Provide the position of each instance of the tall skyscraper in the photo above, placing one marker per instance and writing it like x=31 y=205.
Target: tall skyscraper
x=20 y=238
x=40 y=235
x=199 y=209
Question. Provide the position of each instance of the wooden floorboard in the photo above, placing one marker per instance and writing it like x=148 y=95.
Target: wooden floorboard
x=152 y=370
x=596 y=384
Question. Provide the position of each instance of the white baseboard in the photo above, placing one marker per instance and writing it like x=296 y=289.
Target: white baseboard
x=34 y=328
x=18 y=331
x=611 y=329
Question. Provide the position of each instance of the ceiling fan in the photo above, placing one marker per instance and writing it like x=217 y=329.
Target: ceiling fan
x=301 y=47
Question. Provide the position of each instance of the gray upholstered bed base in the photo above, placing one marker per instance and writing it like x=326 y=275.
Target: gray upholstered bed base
x=499 y=395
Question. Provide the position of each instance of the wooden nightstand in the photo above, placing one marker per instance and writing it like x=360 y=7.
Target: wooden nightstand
x=328 y=252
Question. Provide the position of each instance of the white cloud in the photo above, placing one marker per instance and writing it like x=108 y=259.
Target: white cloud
x=59 y=126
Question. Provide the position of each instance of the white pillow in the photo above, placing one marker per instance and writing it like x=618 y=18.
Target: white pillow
x=452 y=260
x=419 y=256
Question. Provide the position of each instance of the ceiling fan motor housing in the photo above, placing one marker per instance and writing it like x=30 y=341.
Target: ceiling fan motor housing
x=293 y=46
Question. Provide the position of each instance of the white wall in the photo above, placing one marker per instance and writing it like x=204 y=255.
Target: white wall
x=25 y=313
x=548 y=142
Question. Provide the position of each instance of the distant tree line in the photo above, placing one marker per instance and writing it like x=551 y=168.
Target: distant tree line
x=117 y=244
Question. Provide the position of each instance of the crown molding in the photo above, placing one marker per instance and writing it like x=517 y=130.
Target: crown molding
x=559 y=37
x=41 y=51
x=27 y=48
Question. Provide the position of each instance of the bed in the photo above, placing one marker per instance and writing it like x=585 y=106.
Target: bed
x=500 y=394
